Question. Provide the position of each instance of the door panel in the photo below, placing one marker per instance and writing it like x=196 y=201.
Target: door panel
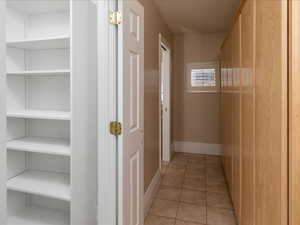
x=271 y=113
x=248 y=100
x=166 y=117
x=131 y=113
x=236 y=119
x=294 y=111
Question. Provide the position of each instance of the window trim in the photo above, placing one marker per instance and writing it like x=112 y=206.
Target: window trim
x=202 y=65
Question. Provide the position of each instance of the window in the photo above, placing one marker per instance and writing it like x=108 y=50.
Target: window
x=202 y=77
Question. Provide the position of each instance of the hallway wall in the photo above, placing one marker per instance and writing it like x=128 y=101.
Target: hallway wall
x=153 y=26
x=191 y=107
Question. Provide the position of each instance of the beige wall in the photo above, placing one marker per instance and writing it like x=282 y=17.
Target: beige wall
x=195 y=115
x=153 y=26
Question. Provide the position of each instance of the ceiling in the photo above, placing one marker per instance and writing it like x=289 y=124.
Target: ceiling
x=206 y=16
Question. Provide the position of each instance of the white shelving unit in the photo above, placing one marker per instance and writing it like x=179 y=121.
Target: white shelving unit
x=39 y=73
x=46 y=184
x=51 y=112
x=44 y=145
x=39 y=114
x=39 y=216
x=42 y=43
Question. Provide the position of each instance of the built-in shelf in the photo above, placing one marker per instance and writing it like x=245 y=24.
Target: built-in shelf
x=41 y=43
x=40 y=73
x=47 y=184
x=39 y=216
x=53 y=146
x=40 y=114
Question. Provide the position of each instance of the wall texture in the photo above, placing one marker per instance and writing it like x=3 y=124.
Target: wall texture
x=196 y=115
x=153 y=26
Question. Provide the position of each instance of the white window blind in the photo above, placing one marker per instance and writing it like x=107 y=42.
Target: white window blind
x=202 y=77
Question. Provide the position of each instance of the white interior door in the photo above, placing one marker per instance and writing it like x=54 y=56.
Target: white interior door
x=165 y=99
x=131 y=113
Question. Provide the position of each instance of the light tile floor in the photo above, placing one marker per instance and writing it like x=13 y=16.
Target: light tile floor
x=193 y=191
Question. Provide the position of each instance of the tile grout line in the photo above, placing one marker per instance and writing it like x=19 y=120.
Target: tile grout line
x=187 y=160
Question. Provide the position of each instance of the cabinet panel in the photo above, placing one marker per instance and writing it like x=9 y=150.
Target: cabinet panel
x=254 y=104
x=271 y=113
x=294 y=110
x=236 y=116
x=247 y=107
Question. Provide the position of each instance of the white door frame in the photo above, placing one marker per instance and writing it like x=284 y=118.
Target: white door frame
x=107 y=112
x=163 y=42
x=109 y=78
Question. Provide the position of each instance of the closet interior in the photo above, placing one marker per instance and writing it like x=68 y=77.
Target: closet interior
x=40 y=95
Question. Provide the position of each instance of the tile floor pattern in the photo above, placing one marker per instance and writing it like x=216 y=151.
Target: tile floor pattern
x=193 y=191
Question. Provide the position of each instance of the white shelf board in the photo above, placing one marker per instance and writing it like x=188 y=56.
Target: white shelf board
x=39 y=72
x=41 y=43
x=53 y=146
x=52 y=185
x=38 y=7
x=39 y=216
x=40 y=114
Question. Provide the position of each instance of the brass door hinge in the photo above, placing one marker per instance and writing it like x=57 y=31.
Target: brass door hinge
x=115 y=128
x=115 y=18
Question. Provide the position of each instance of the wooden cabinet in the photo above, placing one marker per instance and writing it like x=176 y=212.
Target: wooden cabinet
x=247 y=113
x=48 y=111
x=271 y=113
x=255 y=114
x=294 y=111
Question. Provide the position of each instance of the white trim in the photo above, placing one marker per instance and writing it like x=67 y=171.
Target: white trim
x=198 y=148
x=107 y=111
x=151 y=192
x=162 y=41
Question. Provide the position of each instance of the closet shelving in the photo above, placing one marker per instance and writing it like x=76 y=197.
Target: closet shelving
x=48 y=92
x=46 y=184
x=38 y=112
x=40 y=44
x=53 y=146
x=39 y=73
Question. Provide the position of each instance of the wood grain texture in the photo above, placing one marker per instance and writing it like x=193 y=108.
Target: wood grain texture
x=271 y=113
x=254 y=124
x=248 y=116
x=228 y=144
x=294 y=112
x=236 y=116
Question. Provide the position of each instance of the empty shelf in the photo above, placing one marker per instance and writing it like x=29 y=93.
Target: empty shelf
x=39 y=216
x=53 y=185
x=39 y=114
x=54 y=146
x=41 y=44
x=40 y=73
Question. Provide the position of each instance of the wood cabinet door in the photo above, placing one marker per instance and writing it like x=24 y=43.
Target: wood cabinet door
x=271 y=113
x=294 y=111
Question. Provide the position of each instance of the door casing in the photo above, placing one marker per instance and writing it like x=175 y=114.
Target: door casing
x=163 y=42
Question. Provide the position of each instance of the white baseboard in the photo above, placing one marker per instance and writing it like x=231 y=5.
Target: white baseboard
x=151 y=191
x=197 y=148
